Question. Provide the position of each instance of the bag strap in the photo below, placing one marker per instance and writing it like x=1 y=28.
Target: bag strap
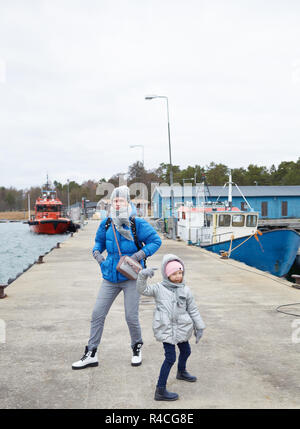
x=133 y=228
x=107 y=223
x=113 y=227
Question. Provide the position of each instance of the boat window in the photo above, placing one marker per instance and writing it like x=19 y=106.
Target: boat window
x=41 y=208
x=53 y=208
x=208 y=220
x=224 y=220
x=44 y=208
x=251 y=220
x=238 y=220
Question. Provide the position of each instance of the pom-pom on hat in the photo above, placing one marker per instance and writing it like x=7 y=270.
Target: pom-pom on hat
x=172 y=267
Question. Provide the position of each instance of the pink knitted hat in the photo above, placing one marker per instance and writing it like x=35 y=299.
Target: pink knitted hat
x=172 y=267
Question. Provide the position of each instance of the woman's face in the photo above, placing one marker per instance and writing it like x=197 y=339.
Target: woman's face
x=119 y=203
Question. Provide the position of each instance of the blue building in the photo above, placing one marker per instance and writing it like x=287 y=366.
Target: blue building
x=272 y=202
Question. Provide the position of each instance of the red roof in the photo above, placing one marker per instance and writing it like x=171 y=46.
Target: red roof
x=207 y=209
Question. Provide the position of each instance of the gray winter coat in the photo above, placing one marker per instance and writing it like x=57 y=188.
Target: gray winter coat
x=174 y=319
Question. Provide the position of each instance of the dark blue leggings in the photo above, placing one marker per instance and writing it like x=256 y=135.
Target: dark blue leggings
x=170 y=359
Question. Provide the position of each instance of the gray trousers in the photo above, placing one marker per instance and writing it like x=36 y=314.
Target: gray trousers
x=106 y=296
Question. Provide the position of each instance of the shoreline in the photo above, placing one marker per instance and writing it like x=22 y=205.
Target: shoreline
x=15 y=215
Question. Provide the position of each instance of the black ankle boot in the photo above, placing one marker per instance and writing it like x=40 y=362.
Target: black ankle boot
x=161 y=394
x=184 y=375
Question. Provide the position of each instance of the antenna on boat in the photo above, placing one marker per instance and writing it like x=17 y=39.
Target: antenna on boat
x=230 y=183
x=230 y=191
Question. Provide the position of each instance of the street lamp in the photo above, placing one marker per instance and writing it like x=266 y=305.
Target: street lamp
x=142 y=146
x=151 y=97
x=68 y=197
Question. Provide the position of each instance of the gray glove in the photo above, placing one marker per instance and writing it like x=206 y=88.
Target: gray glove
x=138 y=256
x=198 y=334
x=147 y=272
x=98 y=256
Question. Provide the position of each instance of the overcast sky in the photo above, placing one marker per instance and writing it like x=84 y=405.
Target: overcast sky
x=74 y=74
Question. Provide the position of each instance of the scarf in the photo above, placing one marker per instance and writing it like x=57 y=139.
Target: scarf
x=120 y=218
x=175 y=288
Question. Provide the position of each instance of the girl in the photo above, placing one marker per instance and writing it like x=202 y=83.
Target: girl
x=175 y=318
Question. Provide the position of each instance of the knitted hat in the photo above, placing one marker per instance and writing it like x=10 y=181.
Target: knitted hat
x=121 y=192
x=172 y=267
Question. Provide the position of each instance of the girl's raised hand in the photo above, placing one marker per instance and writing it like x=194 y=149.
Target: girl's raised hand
x=148 y=272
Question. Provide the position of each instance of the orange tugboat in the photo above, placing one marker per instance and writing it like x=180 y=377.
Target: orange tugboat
x=48 y=215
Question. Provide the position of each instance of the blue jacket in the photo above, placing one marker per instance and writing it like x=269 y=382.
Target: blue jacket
x=106 y=240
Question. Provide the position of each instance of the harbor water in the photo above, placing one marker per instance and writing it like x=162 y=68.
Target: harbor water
x=20 y=248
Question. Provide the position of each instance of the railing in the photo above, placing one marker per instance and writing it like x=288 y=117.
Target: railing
x=198 y=235
x=224 y=233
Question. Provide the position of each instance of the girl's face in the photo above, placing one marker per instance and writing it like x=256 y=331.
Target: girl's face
x=176 y=277
x=119 y=203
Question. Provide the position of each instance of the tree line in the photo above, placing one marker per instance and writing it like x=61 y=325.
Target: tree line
x=287 y=173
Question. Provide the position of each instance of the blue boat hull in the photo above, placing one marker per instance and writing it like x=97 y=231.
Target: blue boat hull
x=276 y=254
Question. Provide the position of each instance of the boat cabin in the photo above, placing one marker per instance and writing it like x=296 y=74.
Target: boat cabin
x=207 y=225
x=48 y=206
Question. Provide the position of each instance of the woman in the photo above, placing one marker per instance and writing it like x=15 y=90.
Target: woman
x=113 y=281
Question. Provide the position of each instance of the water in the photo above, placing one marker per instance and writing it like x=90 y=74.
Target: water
x=20 y=248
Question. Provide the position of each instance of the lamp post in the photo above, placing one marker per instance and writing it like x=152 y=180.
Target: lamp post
x=151 y=97
x=68 y=197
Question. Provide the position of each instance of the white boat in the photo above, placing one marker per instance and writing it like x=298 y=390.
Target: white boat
x=214 y=222
x=231 y=232
x=208 y=225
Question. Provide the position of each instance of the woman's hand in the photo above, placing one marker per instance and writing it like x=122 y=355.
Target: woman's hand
x=138 y=255
x=98 y=256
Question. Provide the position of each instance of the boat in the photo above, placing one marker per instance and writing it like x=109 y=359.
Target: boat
x=233 y=233
x=49 y=218
x=273 y=251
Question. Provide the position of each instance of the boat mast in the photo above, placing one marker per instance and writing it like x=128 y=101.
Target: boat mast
x=230 y=183
x=230 y=191
x=28 y=206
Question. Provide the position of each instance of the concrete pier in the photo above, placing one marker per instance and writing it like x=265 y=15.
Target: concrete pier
x=248 y=356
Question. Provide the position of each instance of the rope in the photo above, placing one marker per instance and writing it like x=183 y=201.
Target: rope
x=248 y=238
x=243 y=242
